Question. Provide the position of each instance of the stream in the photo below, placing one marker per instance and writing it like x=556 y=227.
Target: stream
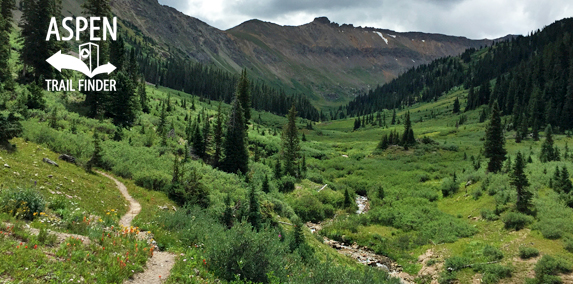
x=365 y=255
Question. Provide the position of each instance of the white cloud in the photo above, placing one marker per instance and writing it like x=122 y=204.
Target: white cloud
x=470 y=18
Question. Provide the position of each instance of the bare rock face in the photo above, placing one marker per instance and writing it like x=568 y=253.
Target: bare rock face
x=48 y=161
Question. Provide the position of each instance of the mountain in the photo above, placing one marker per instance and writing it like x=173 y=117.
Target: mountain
x=330 y=63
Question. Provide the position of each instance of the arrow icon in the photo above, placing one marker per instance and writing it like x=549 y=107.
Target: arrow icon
x=63 y=61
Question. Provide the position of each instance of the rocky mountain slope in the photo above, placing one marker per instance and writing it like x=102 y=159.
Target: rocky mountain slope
x=330 y=62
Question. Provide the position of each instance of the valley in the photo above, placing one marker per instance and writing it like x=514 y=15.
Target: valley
x=309 y=166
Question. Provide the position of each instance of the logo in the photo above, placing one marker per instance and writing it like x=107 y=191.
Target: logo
x=88 y=60
x=63 y=61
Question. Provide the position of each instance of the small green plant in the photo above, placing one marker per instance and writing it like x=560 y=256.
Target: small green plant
x=548 y=267
x=22 y=203
x=528 y=252
x=517 y=221
x=489 y=215
x=492 y=253
x=449 y=187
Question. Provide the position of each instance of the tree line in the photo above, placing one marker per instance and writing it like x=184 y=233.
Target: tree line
x=531 y=77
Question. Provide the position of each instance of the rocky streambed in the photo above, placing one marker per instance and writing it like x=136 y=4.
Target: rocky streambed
x=363 y=254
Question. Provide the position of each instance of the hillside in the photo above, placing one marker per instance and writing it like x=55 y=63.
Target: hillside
x=328 y=62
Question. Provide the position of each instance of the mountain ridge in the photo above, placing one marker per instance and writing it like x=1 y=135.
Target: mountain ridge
x=330 y=63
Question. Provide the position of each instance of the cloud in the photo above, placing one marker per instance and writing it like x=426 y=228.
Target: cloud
x=470 y=18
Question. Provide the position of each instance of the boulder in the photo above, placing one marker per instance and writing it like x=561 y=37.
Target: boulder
x=67 y=158
x=48 y=161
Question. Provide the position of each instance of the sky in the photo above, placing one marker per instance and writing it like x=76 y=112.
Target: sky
x=470 y=18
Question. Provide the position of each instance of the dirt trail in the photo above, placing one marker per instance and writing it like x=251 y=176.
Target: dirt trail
x=134 y=206
x=159 y=266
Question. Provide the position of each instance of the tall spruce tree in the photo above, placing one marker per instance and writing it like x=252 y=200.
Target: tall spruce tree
x=520 y=182
x=5 y=48
x=290 y=144
x=393 y=117
x=124 y=103
x=408 y=135
x=218 y=136
x=495 y=141
x=35 y=22
x=457 y=105
x=244 y=96
x=143 y=101
x=254 y=209
x=235 y=148
x=548 y=152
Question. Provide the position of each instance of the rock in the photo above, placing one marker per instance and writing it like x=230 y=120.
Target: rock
x=6 y=166
x=46 y=160
x=50 y=176
x=67 y=158
x=163 y=207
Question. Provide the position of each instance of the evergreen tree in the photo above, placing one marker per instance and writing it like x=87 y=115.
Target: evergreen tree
x=53 y=119
x=117 y=53
x=35 y=22
x=244 y=96
x=228 y=213
x=10 y=127
x=303 y=167
x=218 y=136
x=520 y=182
x=347 y=199
x=96 y=159
x=143 y=101
x=408 y=135
x=303 y=137
x=35 y=98
x=198 y=142
x=384 y=143
x=254 y=210
x=548 y=152
x=393 y=118
x=356 y=123
x=132 y=68
x=5 y=48
x=124 y=105
x=162 y=121
x=298 y=239
x=235 y=149
x=494 y=141
x=278 y=170
x=290 y=144
x=457 y=105
x=265 y=187
x=380 y=192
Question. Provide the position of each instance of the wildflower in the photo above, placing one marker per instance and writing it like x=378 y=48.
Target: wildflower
x=204 y=262
x=26 y=247
x=103 y=248
x=184 y=260
x=35 y=246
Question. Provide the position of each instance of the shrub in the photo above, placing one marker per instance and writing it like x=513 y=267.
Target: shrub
x=548 y=267
x=315 y=177
x=286 y=183
x=456 y=263
x=517 y=221
x=477 y=193
x=25 y=204
x=309 y=208
x=489 y=215
x=242 y=251
x=568 y=244
x=494 y=272
x=528 y=252
x=154 y=180
x=492 y=253
x=449 y=187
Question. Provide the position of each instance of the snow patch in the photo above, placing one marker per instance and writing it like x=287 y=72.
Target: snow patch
x=413 y=60
x=423 y=41
x=392 y=35
x=380 y=34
